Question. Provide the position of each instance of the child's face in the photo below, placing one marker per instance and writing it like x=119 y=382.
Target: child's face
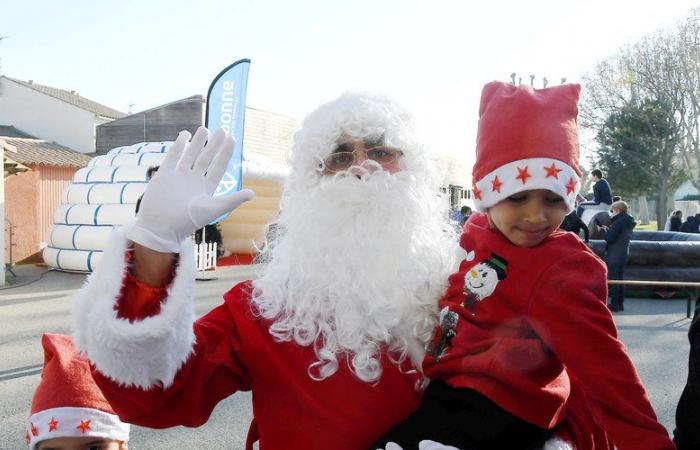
x=528 y=217
x=81 y=443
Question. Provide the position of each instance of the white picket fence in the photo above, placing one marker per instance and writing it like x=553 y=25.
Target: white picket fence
x=205 y=256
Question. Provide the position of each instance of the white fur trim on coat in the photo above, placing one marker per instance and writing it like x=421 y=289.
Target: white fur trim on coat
x=143 y=353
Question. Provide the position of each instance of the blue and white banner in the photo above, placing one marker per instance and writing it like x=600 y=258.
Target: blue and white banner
x=226 y=109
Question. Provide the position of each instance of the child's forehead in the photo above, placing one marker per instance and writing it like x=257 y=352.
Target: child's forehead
x=71 y=442
x=536 y=192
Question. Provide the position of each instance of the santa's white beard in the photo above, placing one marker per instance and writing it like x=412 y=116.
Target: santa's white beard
x=356 y=269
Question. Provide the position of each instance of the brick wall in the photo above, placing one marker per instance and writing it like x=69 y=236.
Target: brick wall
x=30 y=200
x=22 y=210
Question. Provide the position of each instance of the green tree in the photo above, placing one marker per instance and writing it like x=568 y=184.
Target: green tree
x=639 y=151
x=664 y=65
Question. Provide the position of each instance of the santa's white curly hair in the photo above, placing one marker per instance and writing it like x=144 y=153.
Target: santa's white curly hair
x=358 y=262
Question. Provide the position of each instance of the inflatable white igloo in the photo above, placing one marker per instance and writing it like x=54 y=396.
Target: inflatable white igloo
x=102 y=196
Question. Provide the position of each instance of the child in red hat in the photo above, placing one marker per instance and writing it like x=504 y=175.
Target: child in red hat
x=527 y=354
x=69 y=412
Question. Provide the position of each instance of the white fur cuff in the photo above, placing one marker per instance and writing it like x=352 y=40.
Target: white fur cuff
x=143 y=353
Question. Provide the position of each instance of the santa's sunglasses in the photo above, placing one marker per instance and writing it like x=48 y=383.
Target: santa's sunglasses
x=344 y=159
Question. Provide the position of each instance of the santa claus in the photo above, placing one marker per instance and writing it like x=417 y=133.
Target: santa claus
x=328 y=336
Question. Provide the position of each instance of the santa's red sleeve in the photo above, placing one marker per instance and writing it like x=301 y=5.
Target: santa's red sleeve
x=157 y=366
x=568 y=311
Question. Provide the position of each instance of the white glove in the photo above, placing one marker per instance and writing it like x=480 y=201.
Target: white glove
x=423 y=445
x=392 y=446
x=179 y=199
x=432 y=445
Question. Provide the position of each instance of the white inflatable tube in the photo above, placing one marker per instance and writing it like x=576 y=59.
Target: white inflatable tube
x=76 y=260
x=271 y=172
x=79 y=237
x=240 y=245
x=142 y=147
x=122 y=174
x=105 y=214
x=127 y=159
x=103 y=193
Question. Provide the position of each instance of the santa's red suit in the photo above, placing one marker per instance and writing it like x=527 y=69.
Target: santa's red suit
x=233 y=350
x=140 y=336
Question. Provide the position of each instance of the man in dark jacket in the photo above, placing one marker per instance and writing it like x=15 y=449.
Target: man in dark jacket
x=686 y=436
x=617 y=238
x=691 y=224
x=676 y=220
x=601 y=192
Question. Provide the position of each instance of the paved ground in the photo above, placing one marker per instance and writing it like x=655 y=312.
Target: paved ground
x=654 y=331
x=44 y=306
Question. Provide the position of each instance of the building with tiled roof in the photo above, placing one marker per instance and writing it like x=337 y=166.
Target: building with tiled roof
x=40 y=152
x=37 y=172
x=53 y=114
x=73 y=98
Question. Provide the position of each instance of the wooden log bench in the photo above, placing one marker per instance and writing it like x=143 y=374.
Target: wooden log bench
x=692 y=287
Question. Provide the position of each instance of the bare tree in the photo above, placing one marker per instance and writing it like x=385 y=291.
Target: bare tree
x=687 y=48
x=647 y=71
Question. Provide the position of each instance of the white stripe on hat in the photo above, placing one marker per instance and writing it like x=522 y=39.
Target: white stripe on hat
x=525 y=175
x=75 y=422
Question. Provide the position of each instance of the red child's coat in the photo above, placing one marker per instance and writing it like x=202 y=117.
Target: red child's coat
x=528 y=320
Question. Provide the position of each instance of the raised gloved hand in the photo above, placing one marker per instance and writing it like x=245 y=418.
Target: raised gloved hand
x=179 y=199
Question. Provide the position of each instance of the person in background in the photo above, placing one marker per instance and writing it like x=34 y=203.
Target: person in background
x=617 y=238
x=572 y=222
x=675 y=220
x=212 y=233
x=466 y=213
x=149 y=174
x=691 y=224
x=601 y=192
x=69 y=412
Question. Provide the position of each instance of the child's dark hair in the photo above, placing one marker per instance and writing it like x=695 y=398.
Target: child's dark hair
x=597 y=173
x=151 y=170
x=149 y=174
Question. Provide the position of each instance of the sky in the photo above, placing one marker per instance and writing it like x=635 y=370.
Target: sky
x=432 y=56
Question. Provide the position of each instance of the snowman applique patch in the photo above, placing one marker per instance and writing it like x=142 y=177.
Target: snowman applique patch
x=481 y=280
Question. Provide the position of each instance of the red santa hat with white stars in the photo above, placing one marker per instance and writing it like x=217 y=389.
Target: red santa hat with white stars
x=67 y=402
x=528 y=139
